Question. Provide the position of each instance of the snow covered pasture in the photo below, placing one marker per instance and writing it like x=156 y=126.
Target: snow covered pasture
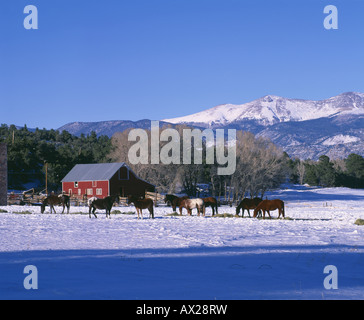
x=174 y=257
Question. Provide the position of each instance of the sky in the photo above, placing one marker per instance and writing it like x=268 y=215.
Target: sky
x=157 y=59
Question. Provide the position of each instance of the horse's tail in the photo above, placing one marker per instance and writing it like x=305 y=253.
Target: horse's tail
x=283 y=210
x=152 y=211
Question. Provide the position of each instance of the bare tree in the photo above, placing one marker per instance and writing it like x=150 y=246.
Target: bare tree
x=301 y=169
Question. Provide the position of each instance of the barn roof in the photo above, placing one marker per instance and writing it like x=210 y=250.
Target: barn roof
x=93 y=172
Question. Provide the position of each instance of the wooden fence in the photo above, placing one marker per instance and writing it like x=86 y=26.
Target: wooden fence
x=36 y=199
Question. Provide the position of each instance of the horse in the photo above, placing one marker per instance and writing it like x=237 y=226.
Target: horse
x=247 y=204
x=106 y=203
x=270 y=205
x=174 y=200
x=141 y=204
x=211 y=202
x=190 y=204
x=54 y=200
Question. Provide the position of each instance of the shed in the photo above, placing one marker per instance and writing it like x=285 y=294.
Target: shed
x=104 y=179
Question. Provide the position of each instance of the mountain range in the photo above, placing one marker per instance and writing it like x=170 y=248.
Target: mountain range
x=303 y=128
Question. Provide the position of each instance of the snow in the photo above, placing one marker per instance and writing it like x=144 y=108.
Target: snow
x=173 y=257
x=272 y=109
x=340 y=139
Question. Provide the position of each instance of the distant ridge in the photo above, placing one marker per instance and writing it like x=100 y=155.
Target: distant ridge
x=303 y=128
x=270 y=110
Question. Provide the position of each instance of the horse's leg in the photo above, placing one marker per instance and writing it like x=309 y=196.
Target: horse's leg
x=269 y=214
x=248 y=213
x=93 y=212
x=281 y=212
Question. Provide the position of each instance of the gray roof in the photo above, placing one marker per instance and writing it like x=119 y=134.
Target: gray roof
x=93 y=172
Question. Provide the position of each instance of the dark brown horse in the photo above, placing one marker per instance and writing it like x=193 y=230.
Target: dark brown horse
x=102 y=204
x=270 y=205
x=141 y=204
x=247 y=204
x=174 y=200
x=211 y=202
x=54 y=200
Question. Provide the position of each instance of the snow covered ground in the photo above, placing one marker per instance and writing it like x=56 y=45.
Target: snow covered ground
x=188 y=257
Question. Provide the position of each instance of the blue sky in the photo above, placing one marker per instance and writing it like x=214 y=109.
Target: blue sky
x=137 y=59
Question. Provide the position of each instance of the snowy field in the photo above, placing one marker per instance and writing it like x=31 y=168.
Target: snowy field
x=188 y=257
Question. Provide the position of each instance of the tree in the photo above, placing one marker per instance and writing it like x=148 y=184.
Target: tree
x=355 y=165
x=326 y=172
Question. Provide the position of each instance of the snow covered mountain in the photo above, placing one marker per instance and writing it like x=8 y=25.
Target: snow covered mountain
x=270 y=110
x=303 y=128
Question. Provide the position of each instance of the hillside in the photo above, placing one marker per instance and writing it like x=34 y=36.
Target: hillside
x=303 y=128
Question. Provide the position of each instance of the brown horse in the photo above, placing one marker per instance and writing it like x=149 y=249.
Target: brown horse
x=190 y=204
x=54 y=200
x=270 y=205
x=247 y=204
x=106 y=203
x=174 y=200
x=211 y=202
x=141 y=204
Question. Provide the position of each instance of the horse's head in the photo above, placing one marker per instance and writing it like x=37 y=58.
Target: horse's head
x=256 y=211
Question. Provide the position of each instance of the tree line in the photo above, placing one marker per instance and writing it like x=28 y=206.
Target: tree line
x=260 y=165
x=30 y=151
x=325 y=172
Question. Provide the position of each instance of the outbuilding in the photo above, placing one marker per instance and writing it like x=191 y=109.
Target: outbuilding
x=104 y=179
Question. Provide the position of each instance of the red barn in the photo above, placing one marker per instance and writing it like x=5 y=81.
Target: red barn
x=104 y=179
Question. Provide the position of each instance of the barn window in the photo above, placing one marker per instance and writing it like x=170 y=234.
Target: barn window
x=90 y=192
x=76 y=184
x=99 y=192
x=123 y=173
x=94 y=184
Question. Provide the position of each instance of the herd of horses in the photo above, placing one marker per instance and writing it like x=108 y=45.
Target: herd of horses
x=260 y=206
